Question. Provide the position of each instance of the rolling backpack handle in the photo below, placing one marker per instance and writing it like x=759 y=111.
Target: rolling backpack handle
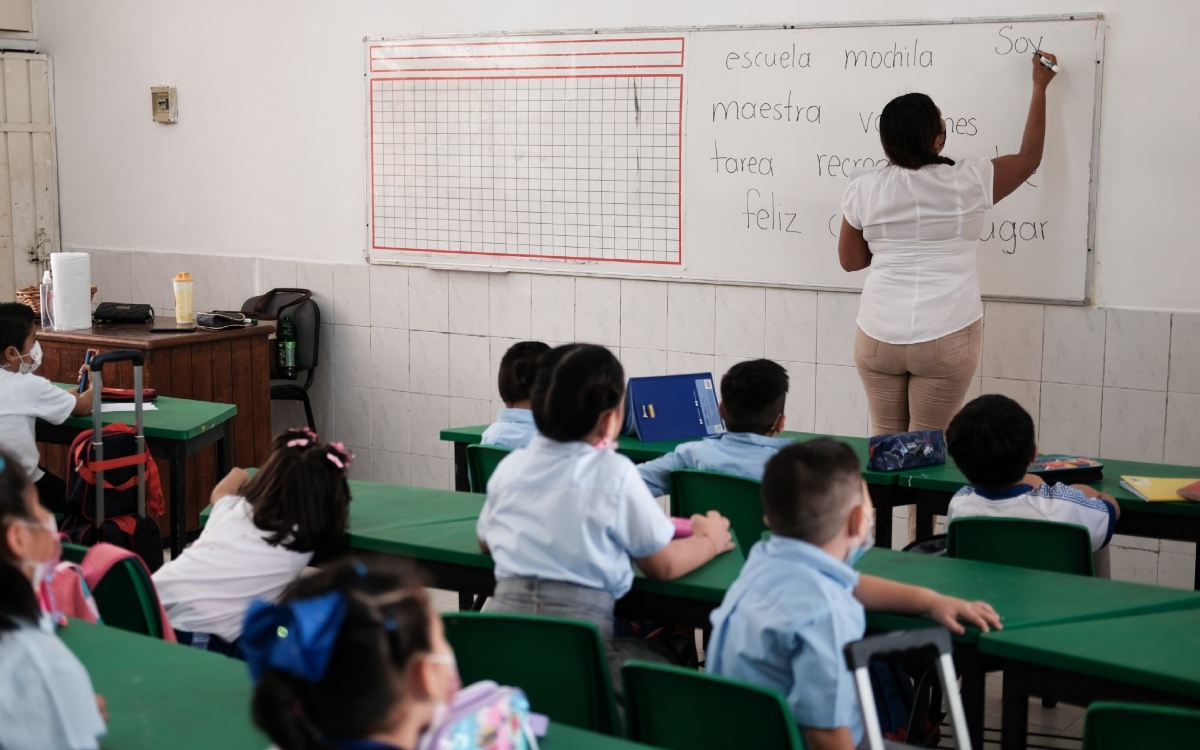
x=858 y=656
x=138 y=359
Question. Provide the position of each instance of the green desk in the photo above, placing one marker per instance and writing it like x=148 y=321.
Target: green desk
x=1147 y=658
x=881 y=483
x=1024 y=598
x=149 y=706
x=931 y=490
x=176 y=429
x=450 y=554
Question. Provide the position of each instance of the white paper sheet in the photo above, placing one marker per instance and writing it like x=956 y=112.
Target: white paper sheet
x=126 y=407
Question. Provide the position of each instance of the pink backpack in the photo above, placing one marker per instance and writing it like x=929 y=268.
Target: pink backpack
x=67 y=591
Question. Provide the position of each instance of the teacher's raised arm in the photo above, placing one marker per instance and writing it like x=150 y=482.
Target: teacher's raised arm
x=1013 y=169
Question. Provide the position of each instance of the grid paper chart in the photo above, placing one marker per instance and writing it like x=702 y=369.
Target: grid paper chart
x=559 y=166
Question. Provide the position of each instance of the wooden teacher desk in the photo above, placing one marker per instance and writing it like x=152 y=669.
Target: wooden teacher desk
x=229 y=367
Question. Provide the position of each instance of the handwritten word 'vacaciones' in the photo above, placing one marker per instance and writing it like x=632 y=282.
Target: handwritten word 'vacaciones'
x=763 y=165
x=767 y=111
x=959 y=126
x=762 y=59
x=770 y=218
x=896 y=57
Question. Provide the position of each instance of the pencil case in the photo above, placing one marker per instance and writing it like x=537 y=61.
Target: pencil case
x=125 y=395
x=906 y=450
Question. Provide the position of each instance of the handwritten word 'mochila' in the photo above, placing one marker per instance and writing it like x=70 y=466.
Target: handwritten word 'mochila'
x=770 y=218
x=896 y=57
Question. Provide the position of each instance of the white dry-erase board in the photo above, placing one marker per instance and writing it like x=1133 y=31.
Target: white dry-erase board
x=715 y=154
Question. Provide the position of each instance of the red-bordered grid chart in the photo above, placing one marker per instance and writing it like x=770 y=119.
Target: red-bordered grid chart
x=558 y=148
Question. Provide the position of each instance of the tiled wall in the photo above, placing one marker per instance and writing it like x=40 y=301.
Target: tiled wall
x=406 y=352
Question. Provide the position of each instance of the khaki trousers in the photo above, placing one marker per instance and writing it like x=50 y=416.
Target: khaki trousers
x=917 y=386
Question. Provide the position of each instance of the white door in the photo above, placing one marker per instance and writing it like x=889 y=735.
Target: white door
x=29 y=229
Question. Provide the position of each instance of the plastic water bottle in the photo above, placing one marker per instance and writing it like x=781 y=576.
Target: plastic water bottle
x=46 y=300
x=287 y=347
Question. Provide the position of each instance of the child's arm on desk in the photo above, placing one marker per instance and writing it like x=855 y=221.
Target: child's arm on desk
x=710 y=537
x=230 y=485
x=828 y=739
x=1112 y=501
x=83 y=401
x=889 y=596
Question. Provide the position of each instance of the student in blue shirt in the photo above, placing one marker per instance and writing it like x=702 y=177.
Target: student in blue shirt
x=46 y=697
x=798 y=601
x=566 y=516
x=514 y=426
x=752 y=400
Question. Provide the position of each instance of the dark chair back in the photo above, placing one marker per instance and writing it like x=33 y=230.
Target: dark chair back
x=306 y=316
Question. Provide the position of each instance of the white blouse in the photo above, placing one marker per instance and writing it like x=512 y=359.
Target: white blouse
x=923 y=229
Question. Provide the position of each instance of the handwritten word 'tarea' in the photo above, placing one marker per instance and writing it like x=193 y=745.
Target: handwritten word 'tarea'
x=763 y=165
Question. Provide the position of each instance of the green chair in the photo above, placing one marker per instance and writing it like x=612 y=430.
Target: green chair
x=1041 y=545
x=1132 y=726
x=663 y=703
x=560 y=664
x=737 y=498
x=481 y=462
x=127 y=599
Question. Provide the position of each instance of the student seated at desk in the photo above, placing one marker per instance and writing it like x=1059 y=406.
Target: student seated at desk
x=364 y=664
x=46 y=697
x=514 y=426
x=26 y=398
x=262 y=533
x=564 y=517
x=992 y=441
x=753 y=395
x=798 y=601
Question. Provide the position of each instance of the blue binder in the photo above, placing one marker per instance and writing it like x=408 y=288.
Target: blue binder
x=672 y=407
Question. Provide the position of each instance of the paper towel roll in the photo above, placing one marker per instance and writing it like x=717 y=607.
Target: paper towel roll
x=72 y=274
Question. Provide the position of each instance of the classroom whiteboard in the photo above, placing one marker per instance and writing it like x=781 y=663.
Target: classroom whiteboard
x=715 y=154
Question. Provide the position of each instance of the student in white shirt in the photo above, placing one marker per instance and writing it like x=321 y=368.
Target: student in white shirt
x=992 y=442
x=26 y=398
x=916 y=224
x=261 y=534
x=46 y=696
x=566 y=517
x=514 y=426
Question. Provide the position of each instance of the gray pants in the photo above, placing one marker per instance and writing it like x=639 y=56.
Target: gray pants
x=532 y=596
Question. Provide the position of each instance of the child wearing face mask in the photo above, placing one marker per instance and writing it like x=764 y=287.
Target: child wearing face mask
x=352 y=657
x=26 y=398
x=46 y=697
x=798 y=601
x=565 y=516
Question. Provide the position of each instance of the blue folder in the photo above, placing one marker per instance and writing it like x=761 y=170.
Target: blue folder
x=672 y=407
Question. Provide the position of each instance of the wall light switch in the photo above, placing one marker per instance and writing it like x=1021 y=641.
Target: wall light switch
x=165 y=104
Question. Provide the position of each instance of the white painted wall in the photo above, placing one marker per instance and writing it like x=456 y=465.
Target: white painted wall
x=268 y=157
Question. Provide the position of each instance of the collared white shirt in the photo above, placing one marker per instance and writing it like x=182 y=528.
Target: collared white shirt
x=24 y=399
x=570 y=512
x=923 y=228
x=513 y=428
x=1059 y=503
x=742 y=454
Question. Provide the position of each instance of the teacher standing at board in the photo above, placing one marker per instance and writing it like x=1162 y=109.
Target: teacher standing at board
x=916 y=225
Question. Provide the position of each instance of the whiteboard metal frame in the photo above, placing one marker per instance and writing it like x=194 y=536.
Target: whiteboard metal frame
x=573 y=268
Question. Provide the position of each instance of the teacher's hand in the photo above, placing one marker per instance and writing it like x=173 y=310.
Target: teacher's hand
x=1042 y=76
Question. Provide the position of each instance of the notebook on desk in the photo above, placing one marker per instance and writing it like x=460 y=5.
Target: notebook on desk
x=1159 y=489
x=672 y=407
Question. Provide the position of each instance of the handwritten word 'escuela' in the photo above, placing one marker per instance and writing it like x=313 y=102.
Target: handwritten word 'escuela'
x=736 y=110
x=896 y=57
x=762 y=59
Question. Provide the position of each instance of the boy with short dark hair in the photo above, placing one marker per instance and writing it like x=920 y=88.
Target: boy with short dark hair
x=798 y=602
x=753 y=395
x=992 y=441
x=25 y=398
x=514 y=426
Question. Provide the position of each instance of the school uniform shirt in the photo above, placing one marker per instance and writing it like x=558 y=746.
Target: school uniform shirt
x=513 y=428
x=209 y=587
x=923 y=228
x=46 y=696
x=783 y=624
x=742 y=454
x=1049 y=502
x=570 y=512
x=24 y=399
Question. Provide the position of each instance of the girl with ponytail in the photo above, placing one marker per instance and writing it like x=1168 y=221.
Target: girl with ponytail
x=565 y=517
x=514 y=426
x=262 y=532
x=352 y=657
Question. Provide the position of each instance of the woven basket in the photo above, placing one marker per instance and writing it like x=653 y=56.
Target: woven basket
x=32 y=297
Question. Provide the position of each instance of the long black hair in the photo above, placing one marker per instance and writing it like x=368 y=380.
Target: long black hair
x=387 y=624
x=300 y=495
x=575 y=384
x=518 y=368
x=908 y=126
x=18 y=603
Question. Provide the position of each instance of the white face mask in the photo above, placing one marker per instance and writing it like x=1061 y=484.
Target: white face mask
x=35 y=359
x=860 y=549
x=42 y=567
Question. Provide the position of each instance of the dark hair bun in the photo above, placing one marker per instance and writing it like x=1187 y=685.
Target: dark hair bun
x=575 y=384
x=518 y=369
